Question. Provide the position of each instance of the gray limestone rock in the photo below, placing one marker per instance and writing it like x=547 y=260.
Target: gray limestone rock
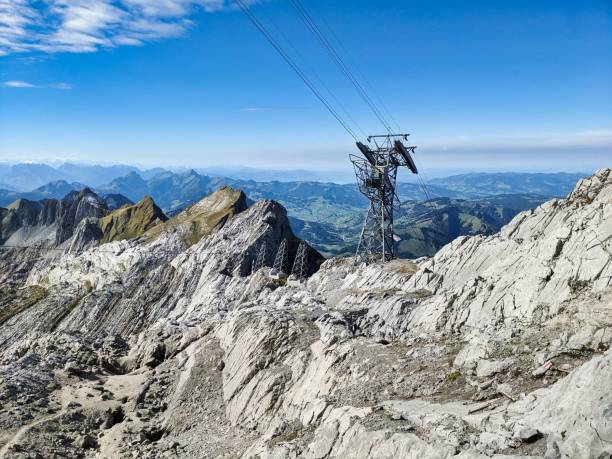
x=170 y=346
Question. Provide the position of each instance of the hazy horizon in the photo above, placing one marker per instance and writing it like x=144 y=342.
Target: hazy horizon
x=441 y=162
x=338 y=176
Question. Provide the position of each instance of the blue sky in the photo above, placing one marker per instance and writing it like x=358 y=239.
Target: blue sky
x=505 y=84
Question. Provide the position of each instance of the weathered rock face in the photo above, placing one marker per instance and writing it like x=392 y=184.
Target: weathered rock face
x=49 y=222
x=75 y=207
x=86 y=235
x=24 y=215
x=170 y=345
x=538 y=262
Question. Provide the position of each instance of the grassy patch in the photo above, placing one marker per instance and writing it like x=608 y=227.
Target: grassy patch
x=7 y=291
x=88 y=287
x=389 y=291
x=202 y=218
x=293 y=431
x=130 y=222
x=454 y=376
x=35 y=295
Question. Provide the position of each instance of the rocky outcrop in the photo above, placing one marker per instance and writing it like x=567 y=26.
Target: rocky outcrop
x=49 y=222
x=131 y=221
x=80 y=220
x=75 y=207
x=168 y=345
x=87 y=235
x=26 y=217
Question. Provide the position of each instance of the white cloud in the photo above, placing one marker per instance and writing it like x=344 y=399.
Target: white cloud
x=18 y=84
x=78 y=26
x=25 y=85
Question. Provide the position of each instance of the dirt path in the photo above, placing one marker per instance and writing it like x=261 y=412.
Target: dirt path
x=19 y=434
x=123 y=385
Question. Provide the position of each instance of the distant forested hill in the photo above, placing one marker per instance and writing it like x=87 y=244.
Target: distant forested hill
x=424 y=227
x=485 y=184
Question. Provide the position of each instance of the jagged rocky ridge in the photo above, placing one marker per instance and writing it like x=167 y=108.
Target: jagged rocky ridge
x=81 y=219
x=49 y=222
x=160 y=347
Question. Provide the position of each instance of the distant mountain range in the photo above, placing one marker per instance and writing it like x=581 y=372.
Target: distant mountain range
x=28 y=176
x=328 y=215
x=177 y=190
x=52 y=190
x=25 y=177
x=82 y=217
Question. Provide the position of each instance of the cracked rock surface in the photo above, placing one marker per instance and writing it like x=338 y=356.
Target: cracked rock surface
x=173 y=347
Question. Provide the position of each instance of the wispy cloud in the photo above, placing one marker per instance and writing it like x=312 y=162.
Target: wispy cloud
x=80 y=26
x=64 y=86
x=18 y=84
x=25 y=85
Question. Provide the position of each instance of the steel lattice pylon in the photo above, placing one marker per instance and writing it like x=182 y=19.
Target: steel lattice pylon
x=261 y=259
x=281 y=262
x=300 y=264
x=376 y=174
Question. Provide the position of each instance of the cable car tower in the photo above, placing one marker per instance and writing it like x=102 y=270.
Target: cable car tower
x=377 y=171
x=376 y=175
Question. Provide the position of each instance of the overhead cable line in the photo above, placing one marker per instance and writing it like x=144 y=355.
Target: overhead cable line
x=307 y=18
x=312 y=25
x=318 y=33
x=361 y=74
x=315 y=74
x=279 y=49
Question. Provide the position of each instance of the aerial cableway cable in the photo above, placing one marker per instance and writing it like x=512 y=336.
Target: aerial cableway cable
x=315 y=29
x=309 y=68
x=327 y=45
x=295 y=67
x=318 y=33
x=361 y=74
x=325 y=42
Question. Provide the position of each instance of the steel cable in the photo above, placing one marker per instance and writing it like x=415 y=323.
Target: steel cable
x=279 y=49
